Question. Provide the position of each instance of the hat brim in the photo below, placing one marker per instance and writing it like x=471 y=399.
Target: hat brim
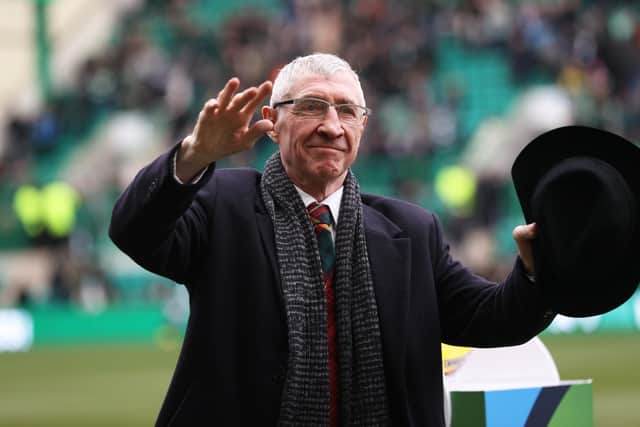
x=566 y=295
x=550 y=148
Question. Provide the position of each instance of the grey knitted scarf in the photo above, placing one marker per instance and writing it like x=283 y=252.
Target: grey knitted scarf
x=305 y=402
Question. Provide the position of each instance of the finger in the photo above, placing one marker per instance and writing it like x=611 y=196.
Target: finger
x=208 y=110
x=263 y=90
x=525 y=232
x=258 y=129
x=210 y=106
x=211 y=103
x=524 y=236
x=241 y=99
x=227 y=92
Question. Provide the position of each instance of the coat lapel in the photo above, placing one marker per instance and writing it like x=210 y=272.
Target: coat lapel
x=267 y=237
x=390 y=258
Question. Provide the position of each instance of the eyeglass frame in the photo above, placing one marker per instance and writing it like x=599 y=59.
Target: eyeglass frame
x=366 y=110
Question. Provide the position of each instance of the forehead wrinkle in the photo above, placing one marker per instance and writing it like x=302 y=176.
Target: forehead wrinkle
x=340 y=99
x=336 y=88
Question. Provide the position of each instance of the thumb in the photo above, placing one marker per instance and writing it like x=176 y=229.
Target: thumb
x=258 y=129
x=525 y=232
x=523 y=236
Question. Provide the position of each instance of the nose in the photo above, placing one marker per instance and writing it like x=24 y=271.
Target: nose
x=331 y=126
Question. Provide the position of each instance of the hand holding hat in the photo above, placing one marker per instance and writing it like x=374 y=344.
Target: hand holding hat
x=582 y=187
x=524 y=236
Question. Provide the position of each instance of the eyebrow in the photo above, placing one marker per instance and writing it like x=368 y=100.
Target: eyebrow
x=339 y=100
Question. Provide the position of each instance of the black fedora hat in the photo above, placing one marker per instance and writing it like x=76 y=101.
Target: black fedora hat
x=581 y=186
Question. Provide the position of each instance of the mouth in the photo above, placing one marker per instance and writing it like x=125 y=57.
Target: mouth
x=326 y=147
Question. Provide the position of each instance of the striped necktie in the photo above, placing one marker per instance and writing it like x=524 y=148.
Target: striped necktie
x=322 y=222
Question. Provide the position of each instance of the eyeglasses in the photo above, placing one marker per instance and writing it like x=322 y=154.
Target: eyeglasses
x=317 y=108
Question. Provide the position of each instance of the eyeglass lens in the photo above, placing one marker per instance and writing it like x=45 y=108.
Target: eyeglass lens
x=318 y=107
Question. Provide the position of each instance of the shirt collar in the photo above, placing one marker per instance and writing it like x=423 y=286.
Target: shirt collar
x=333 y=201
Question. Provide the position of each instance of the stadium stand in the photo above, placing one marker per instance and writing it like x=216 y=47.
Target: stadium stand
x=435 y=74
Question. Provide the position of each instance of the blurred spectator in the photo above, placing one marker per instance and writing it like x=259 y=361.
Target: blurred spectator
x=497 y=141
x=48 y=215
x=45 y=130
x=166 y=58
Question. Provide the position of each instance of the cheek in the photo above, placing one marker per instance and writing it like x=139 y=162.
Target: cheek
x=292 y=147
x=354 y=146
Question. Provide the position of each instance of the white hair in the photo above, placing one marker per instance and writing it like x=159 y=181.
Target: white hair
x=317 y=64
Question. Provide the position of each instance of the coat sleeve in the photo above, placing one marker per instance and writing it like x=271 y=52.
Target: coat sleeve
x=162 y=224
x=477 y=312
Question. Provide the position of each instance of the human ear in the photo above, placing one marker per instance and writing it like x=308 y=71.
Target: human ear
x=269 y=113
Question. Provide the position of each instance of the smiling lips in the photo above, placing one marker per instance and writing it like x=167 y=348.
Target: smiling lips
x=325 y=146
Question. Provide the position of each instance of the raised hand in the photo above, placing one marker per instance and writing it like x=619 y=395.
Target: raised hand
x=223 y=128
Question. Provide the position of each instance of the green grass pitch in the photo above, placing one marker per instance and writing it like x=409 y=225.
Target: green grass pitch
x=124 y=384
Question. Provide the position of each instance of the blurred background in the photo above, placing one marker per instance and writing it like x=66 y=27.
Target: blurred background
x=91 y=91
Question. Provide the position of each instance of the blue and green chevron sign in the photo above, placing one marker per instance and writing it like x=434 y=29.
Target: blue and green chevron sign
x=568 y=404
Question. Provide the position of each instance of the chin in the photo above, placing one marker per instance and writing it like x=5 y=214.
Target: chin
x=329 y=171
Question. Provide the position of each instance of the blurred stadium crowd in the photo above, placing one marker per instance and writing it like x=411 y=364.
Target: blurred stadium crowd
x=457 y=89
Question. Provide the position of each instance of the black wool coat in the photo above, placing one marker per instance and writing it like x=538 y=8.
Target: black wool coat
x=217 y=239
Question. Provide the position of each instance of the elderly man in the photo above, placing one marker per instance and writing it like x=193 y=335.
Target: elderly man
x=311 y=303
